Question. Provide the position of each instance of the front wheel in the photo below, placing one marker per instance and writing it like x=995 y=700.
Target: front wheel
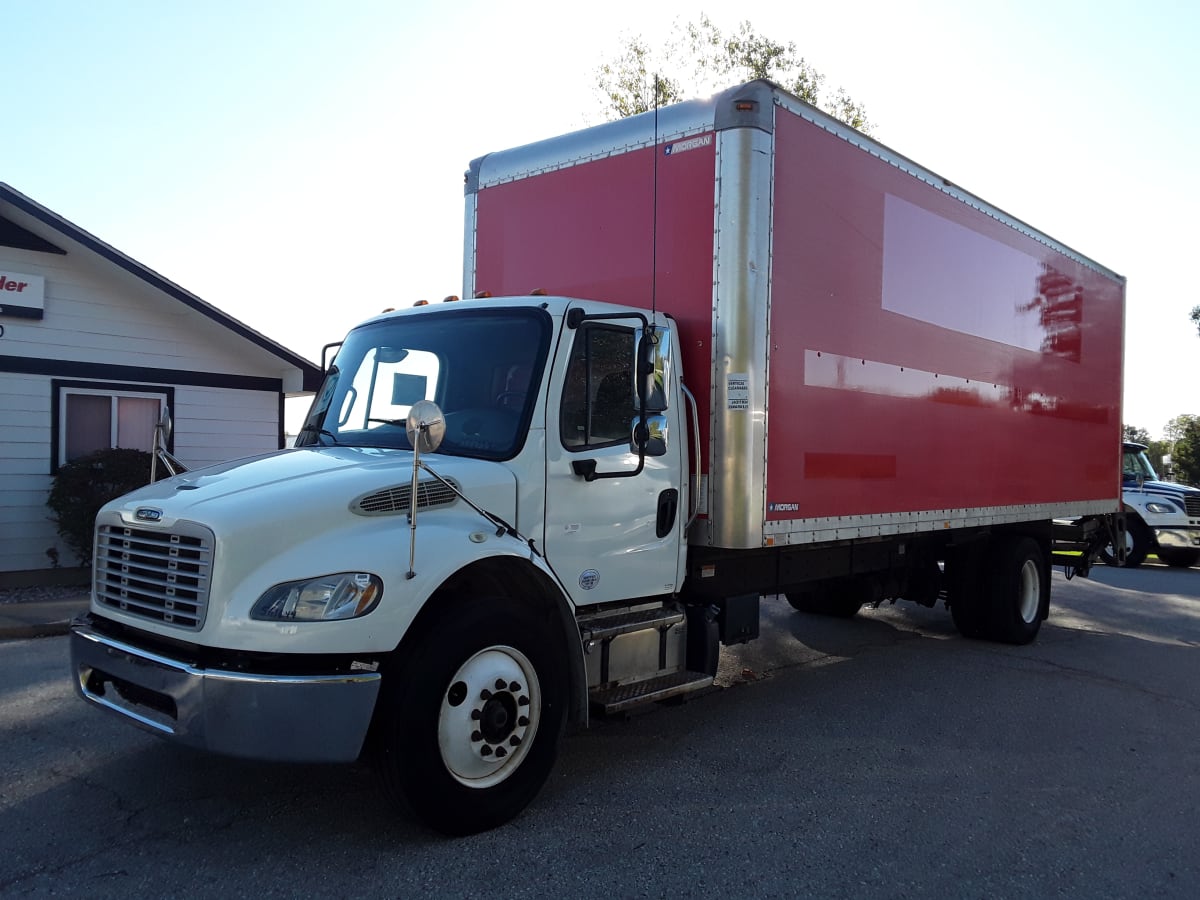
x=1179 y=557
x=1137 y=545
x=468 y=725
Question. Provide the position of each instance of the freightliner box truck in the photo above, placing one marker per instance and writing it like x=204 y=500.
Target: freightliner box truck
x=732 y=350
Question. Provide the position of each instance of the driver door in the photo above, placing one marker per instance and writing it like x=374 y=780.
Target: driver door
x=619 y=537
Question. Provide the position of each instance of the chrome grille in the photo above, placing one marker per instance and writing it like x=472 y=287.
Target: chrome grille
x=158 y=575
x=1192 y=504
x=396 y=499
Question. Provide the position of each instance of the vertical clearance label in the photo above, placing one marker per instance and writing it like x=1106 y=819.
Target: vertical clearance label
x=22 y=296
x=737 y=391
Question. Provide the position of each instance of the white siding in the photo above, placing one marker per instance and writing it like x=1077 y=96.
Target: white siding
x=98 y=314
x=25 y=527
x=213 y=424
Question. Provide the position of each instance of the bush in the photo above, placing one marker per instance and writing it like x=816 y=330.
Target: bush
x=84 y=485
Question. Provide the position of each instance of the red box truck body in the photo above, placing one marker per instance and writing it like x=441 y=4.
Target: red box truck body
x=872 y=348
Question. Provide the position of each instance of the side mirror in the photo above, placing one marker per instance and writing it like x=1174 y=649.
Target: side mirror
x=425 y=427
x=653 y=440
x=163 y=428
x=652 y=375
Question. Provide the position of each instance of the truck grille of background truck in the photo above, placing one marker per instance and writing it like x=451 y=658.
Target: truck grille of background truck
x=158 y=575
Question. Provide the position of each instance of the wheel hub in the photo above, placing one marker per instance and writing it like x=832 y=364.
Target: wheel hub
x=498 y=718
x=489 y=716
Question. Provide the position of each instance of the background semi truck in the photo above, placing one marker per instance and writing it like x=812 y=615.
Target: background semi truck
x=731 y=350
x=1161 y=517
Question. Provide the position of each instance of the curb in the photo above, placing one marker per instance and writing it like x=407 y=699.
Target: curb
x=28 y=632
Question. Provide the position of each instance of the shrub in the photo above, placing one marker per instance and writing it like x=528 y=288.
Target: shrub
x=84 y=485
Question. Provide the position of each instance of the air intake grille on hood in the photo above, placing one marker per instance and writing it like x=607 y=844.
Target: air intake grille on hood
x=1192 y=503
x=396 y=499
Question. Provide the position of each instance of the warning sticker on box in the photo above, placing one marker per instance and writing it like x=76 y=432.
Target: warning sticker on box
x=737 y=390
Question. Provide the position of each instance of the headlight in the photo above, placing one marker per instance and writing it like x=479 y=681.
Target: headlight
x=345 y=595
x=1160 y=508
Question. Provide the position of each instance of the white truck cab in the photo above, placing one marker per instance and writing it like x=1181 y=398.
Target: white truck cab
x=1161 y=517
x=285 y=606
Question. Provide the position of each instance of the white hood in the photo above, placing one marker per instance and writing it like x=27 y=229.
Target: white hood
x=283 y=490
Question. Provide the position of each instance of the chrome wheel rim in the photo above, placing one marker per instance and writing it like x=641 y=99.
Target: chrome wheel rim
x=489 y=716
x=1029 y=591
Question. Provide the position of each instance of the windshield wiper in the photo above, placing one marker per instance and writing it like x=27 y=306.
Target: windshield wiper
x=313 y=428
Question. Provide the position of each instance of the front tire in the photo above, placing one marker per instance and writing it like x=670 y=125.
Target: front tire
x=1179 y=557
x=1137 y=545
x=468 y=724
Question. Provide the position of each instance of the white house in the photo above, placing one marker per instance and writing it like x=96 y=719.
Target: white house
x=93 y=346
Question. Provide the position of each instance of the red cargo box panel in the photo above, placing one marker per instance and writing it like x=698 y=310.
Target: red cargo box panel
x=928 y=353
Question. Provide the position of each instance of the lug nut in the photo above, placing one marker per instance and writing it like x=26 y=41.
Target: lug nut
x=485 y=750
x=514 y=741
x=501 y=753
x=523 y=721
x=485 y=694
x=476 y=736
x=522 y=701
x=500 y=684
x=514 y=687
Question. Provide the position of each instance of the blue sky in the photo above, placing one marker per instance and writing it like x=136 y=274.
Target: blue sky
x=299 y=164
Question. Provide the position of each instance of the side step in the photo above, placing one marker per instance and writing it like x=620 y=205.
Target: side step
x=625 y=696
x=605 y=626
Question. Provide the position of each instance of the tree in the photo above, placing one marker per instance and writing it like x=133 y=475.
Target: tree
x=1135 y=435
x=1196 y=317
x=700 y=59
x=84 y=485
x=1183 y=435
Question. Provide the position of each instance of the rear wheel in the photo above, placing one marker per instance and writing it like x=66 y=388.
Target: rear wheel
x=966 y=588
x=1019 y=595
x=1179 y=557
x=468 y=725
x=842 y=599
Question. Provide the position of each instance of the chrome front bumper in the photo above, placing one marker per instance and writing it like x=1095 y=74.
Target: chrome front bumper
x=293 y=718
x=1179 y=538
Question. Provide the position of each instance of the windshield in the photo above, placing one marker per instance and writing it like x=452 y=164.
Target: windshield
x=1137 y=464
x=479 y=365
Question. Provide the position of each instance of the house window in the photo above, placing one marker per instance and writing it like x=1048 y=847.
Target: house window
x=92 y=419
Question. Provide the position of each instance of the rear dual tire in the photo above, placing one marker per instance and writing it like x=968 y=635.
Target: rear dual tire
x=1002 y=594
x=842 y=600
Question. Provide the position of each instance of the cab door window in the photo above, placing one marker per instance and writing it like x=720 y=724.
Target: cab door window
x=597 y=402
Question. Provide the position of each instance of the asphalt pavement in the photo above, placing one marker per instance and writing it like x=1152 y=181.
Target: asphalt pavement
x=877 y=758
